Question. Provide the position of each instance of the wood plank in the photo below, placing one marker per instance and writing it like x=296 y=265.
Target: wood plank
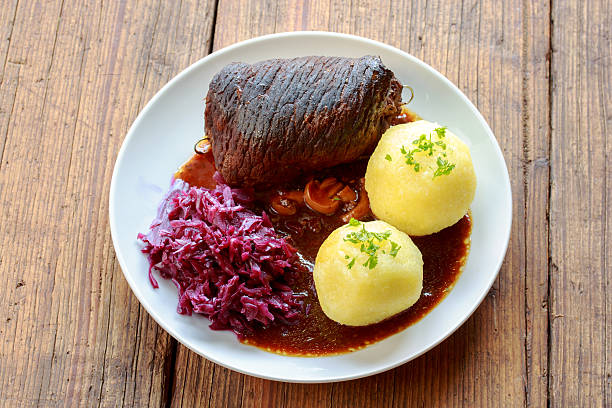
x=9 y=72
x=536 y=175
x=202 y=381
x=497 y=55
x=72 y=331
x=580 y=204
x=27 y=325
x=7 y=16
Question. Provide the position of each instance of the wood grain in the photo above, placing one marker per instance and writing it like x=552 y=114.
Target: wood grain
x=72 y=332
x=73 y=77
x=535 y=158
x=580 y=348
x=493 y=53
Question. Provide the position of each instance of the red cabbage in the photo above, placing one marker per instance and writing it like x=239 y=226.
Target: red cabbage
x=227 y=262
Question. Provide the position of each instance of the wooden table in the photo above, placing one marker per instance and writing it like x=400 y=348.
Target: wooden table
x=74 y=76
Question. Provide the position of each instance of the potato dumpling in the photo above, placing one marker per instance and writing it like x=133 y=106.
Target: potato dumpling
x=420 y=178
x=357 y=289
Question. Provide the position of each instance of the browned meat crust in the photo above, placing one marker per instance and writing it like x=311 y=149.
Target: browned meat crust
x=274 y=120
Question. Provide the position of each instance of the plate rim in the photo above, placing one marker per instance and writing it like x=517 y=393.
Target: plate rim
x=312 y=35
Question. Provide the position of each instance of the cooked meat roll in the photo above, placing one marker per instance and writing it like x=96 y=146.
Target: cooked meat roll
x=274 y=120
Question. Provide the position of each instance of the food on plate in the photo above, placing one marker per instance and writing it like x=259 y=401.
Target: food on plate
x=274 y=120
x=309 y=253
x=366 y=272
x=315 y=334
x=227 y=262
x=420 y=178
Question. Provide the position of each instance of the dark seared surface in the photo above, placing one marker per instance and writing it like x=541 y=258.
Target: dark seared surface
x=274 y=120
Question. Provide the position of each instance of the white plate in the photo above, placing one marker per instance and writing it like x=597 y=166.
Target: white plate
x=162 y=137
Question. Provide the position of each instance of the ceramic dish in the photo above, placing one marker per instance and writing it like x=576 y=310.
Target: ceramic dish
x=162 y=137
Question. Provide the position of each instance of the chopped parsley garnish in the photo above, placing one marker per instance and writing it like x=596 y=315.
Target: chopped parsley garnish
x=370 y=243
x=394 y=249
x=441 y=131
x=354 y=223
x=444 y=167
x=388 y=157
x=426 y=145
x=351 y=263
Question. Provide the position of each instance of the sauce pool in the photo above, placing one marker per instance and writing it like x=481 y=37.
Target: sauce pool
x=198 y=171
x=444 y=254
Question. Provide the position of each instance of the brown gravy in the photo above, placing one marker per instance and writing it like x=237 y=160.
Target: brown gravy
x=198 y=171
x=444 y=254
